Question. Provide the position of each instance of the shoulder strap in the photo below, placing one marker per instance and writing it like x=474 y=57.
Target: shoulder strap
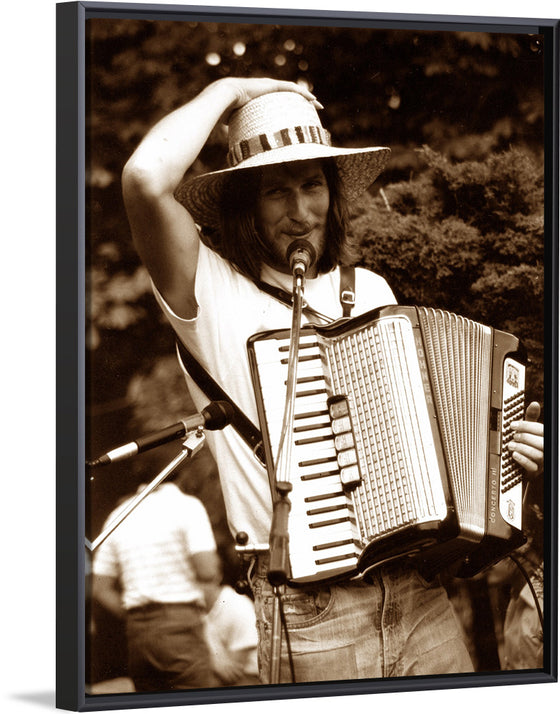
x=241 y=423
x=347 y=292
x=278 y=293
x=347 y=289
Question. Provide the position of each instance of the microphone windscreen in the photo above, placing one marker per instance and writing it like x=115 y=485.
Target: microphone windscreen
x=217 y=415
x=301 y=249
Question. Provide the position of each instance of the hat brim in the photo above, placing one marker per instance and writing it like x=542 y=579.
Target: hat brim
x=358 y=169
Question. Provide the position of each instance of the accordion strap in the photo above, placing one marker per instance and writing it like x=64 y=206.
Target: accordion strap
x=347 y=293
x=241 y=423
x=347 y=289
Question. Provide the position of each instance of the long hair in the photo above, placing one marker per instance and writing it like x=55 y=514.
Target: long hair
x=239 y=241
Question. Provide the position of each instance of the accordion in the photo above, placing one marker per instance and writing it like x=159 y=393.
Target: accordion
x=399 y=448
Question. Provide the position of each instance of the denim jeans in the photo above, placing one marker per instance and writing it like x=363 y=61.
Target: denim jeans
x=167 y=649
x=394 y=625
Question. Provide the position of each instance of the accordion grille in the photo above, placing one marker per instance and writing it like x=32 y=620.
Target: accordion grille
x=377 y=368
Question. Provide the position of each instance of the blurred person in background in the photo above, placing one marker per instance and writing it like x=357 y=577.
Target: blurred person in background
x=231 y=633
x=212 y=245
x=151 y=571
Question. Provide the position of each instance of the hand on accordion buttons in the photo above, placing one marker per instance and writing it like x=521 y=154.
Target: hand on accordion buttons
x=527 y=444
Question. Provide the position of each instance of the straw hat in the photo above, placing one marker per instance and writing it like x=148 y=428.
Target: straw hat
x=272 y=129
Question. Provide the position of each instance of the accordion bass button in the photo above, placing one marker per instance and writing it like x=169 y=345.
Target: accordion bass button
x=345 y=441
x=350 y=476
x=338 y=407
x=341 y=425
x=347 y=458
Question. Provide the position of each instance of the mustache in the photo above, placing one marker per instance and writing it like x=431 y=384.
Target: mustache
x=298 y=229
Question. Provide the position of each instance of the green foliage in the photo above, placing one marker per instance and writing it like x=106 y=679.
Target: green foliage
x=490 y=193
x=466 y=237
x=392 y=87
x=116 y=302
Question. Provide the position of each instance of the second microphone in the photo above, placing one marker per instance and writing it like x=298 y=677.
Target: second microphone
x=214 y=416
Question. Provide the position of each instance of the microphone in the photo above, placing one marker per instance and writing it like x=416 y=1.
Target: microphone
x=215 y=415
x=300 y=255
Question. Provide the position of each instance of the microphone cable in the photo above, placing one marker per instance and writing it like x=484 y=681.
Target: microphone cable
x=527 y=577
x=284 y=623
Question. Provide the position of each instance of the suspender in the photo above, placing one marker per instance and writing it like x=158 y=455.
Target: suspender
x=241 y=423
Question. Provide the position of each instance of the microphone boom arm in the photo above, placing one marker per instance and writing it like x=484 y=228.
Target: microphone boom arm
x=193 y=443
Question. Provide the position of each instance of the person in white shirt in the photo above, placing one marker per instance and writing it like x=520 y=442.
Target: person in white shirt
x=231 y=633
x=152 y=571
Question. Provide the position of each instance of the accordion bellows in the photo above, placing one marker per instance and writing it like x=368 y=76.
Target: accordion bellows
x=400 y=441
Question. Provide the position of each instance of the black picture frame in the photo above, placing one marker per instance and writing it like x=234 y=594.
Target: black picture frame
x=71 y=363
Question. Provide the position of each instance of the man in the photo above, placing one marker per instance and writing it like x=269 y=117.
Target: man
x=152 y=570
x=206 y=243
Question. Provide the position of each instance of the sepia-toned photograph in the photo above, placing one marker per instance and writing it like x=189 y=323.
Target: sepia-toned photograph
x=318 y=290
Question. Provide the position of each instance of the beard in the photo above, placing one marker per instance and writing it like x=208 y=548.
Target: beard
x=275 y=251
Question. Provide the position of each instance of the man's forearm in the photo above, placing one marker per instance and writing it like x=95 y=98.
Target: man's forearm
x=173 y=144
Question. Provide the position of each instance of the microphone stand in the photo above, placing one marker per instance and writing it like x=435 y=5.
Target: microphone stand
x=193 y=443
x=278 y=545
